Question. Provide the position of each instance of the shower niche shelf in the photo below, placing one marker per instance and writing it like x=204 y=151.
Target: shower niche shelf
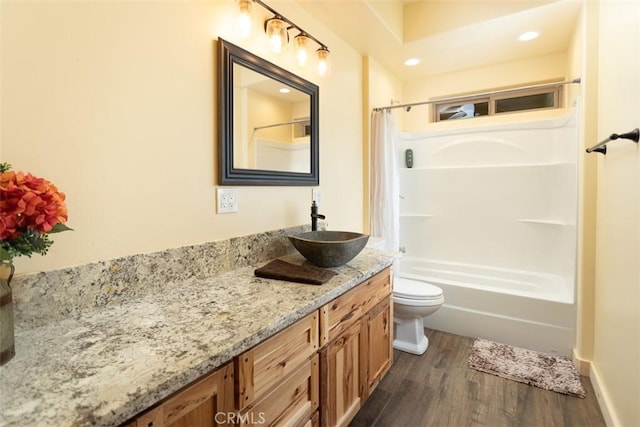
x=546 y=222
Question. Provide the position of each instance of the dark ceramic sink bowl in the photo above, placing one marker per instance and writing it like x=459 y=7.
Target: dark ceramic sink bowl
x=329 y=248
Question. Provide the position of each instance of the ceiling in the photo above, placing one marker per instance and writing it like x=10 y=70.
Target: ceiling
x=447 y=35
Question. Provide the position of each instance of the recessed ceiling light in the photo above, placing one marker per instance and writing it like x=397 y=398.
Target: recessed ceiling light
x=284 y=90
x=529 y=35
x=411 y=62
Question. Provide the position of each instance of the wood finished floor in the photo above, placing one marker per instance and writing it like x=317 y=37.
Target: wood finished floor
x=438 y=389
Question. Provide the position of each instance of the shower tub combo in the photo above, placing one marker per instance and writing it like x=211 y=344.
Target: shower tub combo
x=488 y=214
x=525 y=309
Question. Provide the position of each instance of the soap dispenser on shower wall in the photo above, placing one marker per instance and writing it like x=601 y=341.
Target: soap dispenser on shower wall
x=408 y=157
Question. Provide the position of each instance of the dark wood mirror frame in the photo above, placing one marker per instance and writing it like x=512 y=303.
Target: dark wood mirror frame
x=228 y=55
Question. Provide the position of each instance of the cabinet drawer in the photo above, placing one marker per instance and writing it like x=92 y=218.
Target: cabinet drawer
x=338 y=315
x=207 y=403
x=294 y=402
x=265 y=365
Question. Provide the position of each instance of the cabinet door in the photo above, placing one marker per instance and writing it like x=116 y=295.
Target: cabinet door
x=207 y=403
x=379 y=343
x=341 y=374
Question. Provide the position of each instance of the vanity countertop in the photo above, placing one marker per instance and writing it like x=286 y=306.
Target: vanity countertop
x=106 y=366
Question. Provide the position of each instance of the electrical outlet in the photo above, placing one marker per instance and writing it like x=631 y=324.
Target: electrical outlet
x=315 y=195
x=227 y=200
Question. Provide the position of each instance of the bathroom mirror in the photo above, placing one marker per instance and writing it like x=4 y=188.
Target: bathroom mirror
x=267 y=121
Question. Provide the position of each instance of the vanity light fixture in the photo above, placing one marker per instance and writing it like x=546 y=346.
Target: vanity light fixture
x=277 y=30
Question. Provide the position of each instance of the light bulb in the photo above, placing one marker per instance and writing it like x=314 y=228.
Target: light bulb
x=301 y=48
x=244 y=19
x=277 y=34
x=323 y=63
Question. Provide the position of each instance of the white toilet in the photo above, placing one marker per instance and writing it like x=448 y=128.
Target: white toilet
x=412 y=301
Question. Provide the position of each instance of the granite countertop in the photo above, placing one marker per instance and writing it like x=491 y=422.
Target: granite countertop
x=106 y=366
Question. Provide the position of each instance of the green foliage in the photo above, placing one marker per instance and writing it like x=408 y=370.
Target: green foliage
x=59 y=228
x=4 y=167
x=27 y=243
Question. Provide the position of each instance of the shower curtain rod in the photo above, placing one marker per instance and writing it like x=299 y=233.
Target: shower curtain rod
x=456 y=98
x=281 y=124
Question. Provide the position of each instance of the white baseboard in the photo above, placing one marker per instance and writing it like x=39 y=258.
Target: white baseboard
x=610 y=417
x=586 y=368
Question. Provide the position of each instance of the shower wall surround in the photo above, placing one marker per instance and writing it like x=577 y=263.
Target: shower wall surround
x=49 y=296
x=489 y=214
x=501 y=195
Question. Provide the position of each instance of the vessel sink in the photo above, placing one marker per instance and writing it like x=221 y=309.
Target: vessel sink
x=329 y=248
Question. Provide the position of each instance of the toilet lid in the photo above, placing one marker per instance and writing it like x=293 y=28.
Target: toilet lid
x=414 y=289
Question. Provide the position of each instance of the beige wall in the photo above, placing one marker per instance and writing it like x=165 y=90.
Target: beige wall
x=616 y=355
x=583 y=56
x=115 y=103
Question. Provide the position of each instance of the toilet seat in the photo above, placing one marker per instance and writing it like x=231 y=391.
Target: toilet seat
x=416 y=293
x=419 y=302
x=408 y=289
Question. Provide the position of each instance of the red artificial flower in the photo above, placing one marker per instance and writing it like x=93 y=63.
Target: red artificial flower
x=27 y=201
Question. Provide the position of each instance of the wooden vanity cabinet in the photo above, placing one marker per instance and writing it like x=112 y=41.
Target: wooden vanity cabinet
x=358 y=351
x=331 y=360
x=318 y=371
x=207 y=403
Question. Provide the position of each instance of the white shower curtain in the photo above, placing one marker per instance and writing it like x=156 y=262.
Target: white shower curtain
x=385 y=182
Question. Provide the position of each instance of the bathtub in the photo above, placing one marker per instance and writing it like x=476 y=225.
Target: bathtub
x=522 y=308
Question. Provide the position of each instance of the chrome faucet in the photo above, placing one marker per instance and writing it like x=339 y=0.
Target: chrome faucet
x=314 y=216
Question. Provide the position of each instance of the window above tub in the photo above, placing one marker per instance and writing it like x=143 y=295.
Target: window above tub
x=510 y=101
